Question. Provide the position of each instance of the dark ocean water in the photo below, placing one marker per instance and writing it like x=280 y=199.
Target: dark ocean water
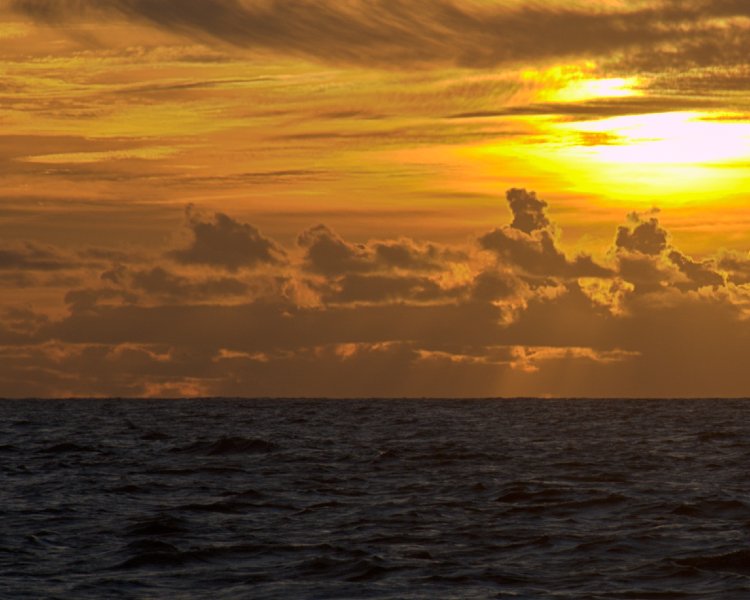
x=375 y=499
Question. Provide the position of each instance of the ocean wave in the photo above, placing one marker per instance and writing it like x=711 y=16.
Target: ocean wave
x=229 y=445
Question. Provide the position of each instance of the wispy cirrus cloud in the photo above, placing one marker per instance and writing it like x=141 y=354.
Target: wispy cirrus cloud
x=396 y=33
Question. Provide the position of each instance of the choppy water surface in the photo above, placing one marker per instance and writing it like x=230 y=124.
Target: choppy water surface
x=375 y=499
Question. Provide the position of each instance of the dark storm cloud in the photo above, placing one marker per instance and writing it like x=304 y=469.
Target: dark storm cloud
x=224 y=242
x=394 y=33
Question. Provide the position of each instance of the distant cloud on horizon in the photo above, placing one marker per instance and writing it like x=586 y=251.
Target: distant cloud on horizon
x=506 y=316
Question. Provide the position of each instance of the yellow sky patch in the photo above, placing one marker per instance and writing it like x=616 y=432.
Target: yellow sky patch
x=153 y=153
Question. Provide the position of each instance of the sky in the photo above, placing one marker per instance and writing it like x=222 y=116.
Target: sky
x=360 y=198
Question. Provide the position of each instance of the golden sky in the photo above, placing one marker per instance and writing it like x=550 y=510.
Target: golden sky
x=374 y=198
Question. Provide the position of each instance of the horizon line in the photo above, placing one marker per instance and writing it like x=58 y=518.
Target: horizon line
x=362 y=398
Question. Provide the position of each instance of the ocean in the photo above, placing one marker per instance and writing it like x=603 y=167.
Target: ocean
x=230 y=498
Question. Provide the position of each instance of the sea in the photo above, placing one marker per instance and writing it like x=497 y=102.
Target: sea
x=321 y=499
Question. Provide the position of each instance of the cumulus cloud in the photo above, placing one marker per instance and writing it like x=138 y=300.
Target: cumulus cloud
x=528 y=211
x=224 y=242
x=327 y=253
x=647 y=237
x=529 y=245
x=698 y=273
x=534 y=254
x=646 y=259
x=386 y=288
x=160 y=282
x=408 y=255
x=393 y=319
x=647 y=274
x=490 y=286
x=379 y=271
x=737 y=267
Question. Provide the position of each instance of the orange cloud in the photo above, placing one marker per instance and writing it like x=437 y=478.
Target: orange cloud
x=647 y=320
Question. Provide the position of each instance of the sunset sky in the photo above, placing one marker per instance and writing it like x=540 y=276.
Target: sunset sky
x=374 y=198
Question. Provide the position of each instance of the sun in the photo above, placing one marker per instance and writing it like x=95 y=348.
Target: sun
x=675 y=156
x=676 y=138
x=666 y=158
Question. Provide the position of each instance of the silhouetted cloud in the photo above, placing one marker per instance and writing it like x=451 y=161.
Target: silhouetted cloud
x=528 y=210
x=529 y=245
x=489 y=286
x=646 y=273
x=645 y=259
x=400 y=317
x=535 y=254
x=408 y=255
x=699 y=273
x=224 y=242
x=646 y=237
x=386 y=288
x=327 y=253
x=737 y=267
x=161 y=282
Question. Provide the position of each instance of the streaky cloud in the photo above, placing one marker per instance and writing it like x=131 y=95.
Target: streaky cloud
x=396 y=33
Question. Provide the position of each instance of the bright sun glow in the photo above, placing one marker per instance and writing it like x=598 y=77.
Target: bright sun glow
x=668 y=138
x=586 y=89
x=667 y=158
x=675 y=157
x=574 y=83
